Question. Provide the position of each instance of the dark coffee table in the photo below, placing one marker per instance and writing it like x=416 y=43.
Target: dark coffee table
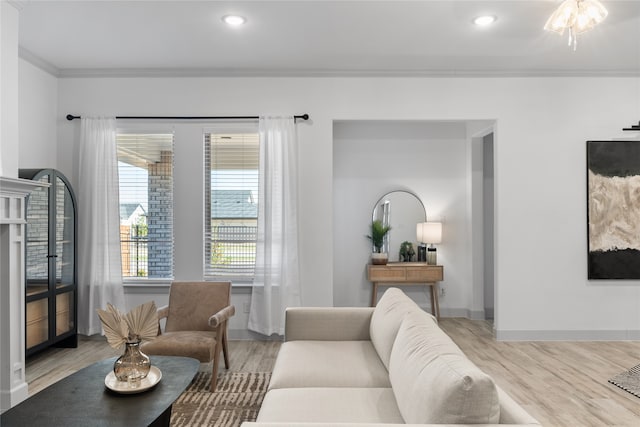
x=82 y=400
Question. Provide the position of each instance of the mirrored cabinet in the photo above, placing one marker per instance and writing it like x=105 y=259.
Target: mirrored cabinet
x=51 y=288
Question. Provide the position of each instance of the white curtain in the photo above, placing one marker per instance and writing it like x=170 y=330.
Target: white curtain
x=99 y=262
x=276 y=284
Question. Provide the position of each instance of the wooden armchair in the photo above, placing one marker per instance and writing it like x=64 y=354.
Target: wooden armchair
x=196 y=325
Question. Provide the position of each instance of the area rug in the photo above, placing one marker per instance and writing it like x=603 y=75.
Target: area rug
x=237 y=399
x=628 y=380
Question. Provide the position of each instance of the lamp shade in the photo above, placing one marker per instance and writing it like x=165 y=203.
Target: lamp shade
x=429 y=232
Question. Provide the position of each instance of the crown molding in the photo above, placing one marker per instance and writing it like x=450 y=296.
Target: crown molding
x=36 y=61
x=308 y=73
x=18 y=4
x=215 y=72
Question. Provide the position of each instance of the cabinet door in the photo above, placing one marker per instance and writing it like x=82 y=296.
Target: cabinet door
x=64 y=259
x=65 y=312
x=64 y=235
x=37 y=318
x=37 y=265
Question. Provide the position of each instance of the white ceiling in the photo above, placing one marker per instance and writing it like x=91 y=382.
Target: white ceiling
x=74 y=38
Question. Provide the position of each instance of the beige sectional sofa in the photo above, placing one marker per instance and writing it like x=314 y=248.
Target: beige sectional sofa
x=390 y=364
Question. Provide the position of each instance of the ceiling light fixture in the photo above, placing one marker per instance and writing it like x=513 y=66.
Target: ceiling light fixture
x=577 y=16
x=234 y=20
x=485 y=20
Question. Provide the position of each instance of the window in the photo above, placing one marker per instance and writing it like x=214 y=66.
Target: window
x=231 y=204
x=145 y=170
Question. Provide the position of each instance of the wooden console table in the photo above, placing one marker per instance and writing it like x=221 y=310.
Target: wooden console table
x=407 y=274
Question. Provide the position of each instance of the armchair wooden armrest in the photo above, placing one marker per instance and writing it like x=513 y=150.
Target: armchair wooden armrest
x=219 y=322
x=222 y=316
x=163 y=312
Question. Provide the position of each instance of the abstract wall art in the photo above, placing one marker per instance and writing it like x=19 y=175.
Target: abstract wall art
x=613 y=209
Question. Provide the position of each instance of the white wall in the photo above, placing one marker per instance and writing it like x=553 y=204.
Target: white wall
x=38 y=117
x=541 y=128
x=13 y=387
x=372 y=158
x=8 y=90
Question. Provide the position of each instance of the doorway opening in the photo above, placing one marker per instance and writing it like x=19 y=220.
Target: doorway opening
x=487 y=226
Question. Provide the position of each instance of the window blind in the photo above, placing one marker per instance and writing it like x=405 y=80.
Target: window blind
x=145 y=170
x=231 y=162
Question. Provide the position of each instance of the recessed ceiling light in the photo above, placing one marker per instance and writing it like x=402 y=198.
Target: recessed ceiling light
x=483 y=21
x=234 y=20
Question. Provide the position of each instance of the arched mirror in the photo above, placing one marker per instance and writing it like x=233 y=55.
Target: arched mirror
x=402 y=210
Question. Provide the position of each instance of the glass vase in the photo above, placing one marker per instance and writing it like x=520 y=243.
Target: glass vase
x=133 y=365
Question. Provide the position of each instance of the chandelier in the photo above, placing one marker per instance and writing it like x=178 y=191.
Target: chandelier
x=577 y=16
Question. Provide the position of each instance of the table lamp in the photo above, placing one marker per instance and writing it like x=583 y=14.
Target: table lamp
x=428 y=233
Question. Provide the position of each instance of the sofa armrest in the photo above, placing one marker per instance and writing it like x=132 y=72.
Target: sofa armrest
x=511 y=412
x=328 y=324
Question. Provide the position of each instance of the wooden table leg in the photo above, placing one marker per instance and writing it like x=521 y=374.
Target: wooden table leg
x=374 y=295
x=433 y=302
x=435 y=307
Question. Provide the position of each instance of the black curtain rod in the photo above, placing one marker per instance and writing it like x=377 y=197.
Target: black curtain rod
x=633 y=127
x=301 y=117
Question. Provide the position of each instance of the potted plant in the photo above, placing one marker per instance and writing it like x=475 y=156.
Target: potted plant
x=378 y=232
x=406 y=251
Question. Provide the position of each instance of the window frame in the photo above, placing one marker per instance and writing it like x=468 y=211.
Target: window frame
x=222 y=128
x=133 y=129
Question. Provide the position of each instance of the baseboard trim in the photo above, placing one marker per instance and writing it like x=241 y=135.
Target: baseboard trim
x=10 y=398
x=451 y=312
x=477 y=315
x=611 y=335
x=459 y=312
x=247 y=335
x=488 y=312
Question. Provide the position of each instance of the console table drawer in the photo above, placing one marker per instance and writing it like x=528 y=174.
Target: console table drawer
x=386 y=274
x=432 y=274
x=408 y=272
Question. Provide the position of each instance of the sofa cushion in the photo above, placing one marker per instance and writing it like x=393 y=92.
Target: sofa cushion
x=328 y=324
x=345 y=405
x=386 y=320
x=434 y=382
x=328 y=364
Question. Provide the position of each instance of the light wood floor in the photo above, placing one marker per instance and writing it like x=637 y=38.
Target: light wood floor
x=558 y=383
x=561 y=384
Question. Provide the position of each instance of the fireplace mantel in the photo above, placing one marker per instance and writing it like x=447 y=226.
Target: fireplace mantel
x=13 y=193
